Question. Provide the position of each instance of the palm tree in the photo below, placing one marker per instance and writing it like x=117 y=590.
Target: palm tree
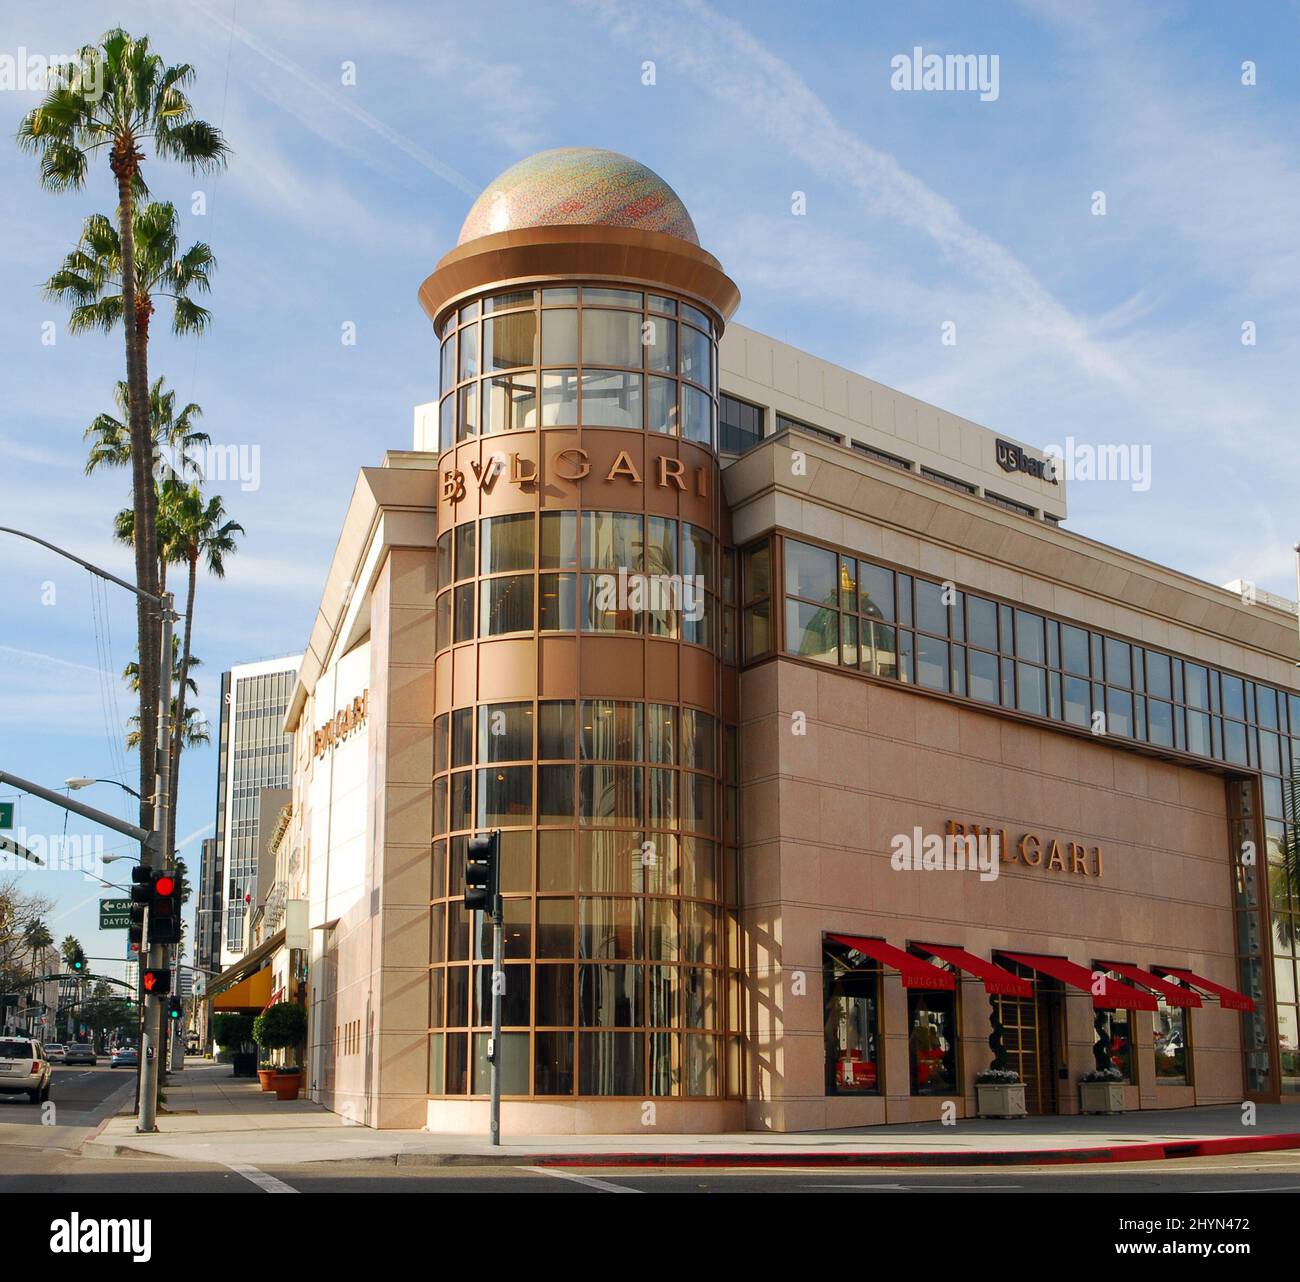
x=201 y=532
x=174 y=433
x=119 y=95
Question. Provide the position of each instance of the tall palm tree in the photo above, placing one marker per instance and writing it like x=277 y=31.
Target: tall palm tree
x=120 y=96
x=202 y=533
x=176 y=434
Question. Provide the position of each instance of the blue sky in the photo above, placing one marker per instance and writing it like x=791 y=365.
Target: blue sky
x=922 y=208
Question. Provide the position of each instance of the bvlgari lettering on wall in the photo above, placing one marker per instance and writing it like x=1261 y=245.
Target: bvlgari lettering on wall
x=1049 y=854
x=574 y=464
x=341 y=725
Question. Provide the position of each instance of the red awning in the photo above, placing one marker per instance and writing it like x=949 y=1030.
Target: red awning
x=996 y=980
x=916 y=973
x=1229 y=998
x=1116 y=996
x=1174 y=994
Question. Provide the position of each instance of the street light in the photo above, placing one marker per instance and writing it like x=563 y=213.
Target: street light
x=80 y=781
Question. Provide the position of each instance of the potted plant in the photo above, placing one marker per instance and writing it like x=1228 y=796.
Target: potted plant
x=1101 y=1090
x=234 y=1034
x=266 y=1071
x=999 y=1092
x=282 y=1026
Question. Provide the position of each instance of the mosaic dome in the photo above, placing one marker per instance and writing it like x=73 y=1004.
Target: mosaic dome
x=579 y=185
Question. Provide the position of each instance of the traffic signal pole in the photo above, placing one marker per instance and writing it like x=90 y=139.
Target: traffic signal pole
x=483 y=893
x=498 y=988
x=155 y=953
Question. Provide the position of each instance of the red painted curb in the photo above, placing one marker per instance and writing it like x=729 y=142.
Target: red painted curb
x=1156 y=1151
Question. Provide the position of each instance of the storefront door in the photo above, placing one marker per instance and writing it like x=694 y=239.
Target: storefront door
x=1032 y=1033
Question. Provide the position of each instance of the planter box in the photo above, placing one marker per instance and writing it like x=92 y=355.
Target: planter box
x=1000 y=1101
x=287 y=1085
x=266 y=1078
x=1101 y=1097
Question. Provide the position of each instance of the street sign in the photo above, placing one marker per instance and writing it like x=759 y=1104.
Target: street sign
x=114 y=914
x=187 y=983
x=6 y=814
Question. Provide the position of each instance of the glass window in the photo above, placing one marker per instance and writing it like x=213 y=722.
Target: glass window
x=756 y=628
x=661 y=405
x=560 y=399
x=931 y=662
x=467 y=412
x=510 y=299
x=611 y=730
x=507 y=605
x=555 y=730
x=560 y=294
x=1029 y=637
x=510 y=403
x=448 y=370
x=850 y=1020
x=660 y=345
x=611 y=338
x=510 y=341
x=661 y=722
x=559 y=338
x=611 y=1064
x=699 y=740
x=557 y=602
x=610 y=928
x=1171 y=1044
x=981 y=622
x=697 y=415
x=559 y=542
x=697 y=554
x=506 y=543
x=666 y=305
x=810 y=572
x=812 y=631
x=932 y=1041
x=1234 y=697
x=875 y=591
x=505 y=797
x=1119 y=712
x=465 y=550
x=1119 y=663
x=1198 y=732
x=553 y=1063
x=696 y=357
x=611 y=398
x=1196 y=683
x=1113 y=1042
x=931 y=611
x=505 y=732
x=447 y=422
x=463 y=613
x=661 y=545
x=592 y=295
x=983 y=676
x=611 y=540
x=1158 y=676
x=469 y=352
x=1031 y=689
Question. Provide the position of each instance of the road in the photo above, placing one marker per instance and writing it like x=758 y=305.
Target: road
x=36 y=1157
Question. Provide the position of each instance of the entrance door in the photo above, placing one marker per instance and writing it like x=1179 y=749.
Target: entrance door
x=1033 y=1037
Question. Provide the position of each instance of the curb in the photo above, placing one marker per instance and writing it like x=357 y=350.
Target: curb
x=1165 y=1150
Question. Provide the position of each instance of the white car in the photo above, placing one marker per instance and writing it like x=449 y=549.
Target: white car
x=24 y=1070
x=54 y=1052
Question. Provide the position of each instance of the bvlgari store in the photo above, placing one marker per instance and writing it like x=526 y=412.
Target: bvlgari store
x=831 y=771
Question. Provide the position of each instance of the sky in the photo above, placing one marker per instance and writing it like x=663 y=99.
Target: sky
x=1100 y=236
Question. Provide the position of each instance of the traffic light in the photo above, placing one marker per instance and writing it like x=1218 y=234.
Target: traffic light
x=165 y=908
x=481 y=872
x=141 y=893
x=157 y=981
x=78 y=961
x=175 y=1007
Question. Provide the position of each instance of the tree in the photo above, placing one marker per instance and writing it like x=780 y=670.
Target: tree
x=119 y=95
x=173 y=434
x=69 y=948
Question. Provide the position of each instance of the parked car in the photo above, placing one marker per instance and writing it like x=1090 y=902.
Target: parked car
x=24 y=1070
x=54 y=1052
x=124 y=1057
x=79 y=1053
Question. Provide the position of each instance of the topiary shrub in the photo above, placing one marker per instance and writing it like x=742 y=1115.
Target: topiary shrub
x=232 y=1032
x=282 y=1026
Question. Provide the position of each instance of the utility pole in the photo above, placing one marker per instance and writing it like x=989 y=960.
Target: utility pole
x=153 y=844
x=483 y=892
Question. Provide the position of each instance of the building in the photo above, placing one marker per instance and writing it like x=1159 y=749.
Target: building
x=821 y=753
x=253 y=754
x=207 y=912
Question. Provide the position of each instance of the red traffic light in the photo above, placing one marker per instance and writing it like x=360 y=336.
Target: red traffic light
x=157 y=981
x=165 y=885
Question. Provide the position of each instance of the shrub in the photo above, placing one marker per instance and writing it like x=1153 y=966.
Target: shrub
x=231 y=1031
x=997 y=1077
x=1102 y=1075
x=281 y=1026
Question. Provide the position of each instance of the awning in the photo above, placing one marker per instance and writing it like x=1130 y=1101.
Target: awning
x=246 y=965
x=916 y=973
x=996 y=980
x=1229 y=998
x=253 y=993
x=1173 y=994
x=1116 y=996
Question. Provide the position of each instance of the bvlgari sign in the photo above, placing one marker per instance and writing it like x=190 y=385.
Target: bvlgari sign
x=1050 y=854
x=342 y=724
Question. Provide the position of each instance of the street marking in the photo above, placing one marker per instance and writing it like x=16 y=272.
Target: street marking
x=267 y=1183
x=603 y=1185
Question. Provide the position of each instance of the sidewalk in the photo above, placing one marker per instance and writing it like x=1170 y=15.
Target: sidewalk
x=214 y=1117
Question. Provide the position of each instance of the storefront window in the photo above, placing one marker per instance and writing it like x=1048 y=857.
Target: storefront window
x=1112 y=1039
x=932 y=1042
x=851 y=1015
x=1173 y=1050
